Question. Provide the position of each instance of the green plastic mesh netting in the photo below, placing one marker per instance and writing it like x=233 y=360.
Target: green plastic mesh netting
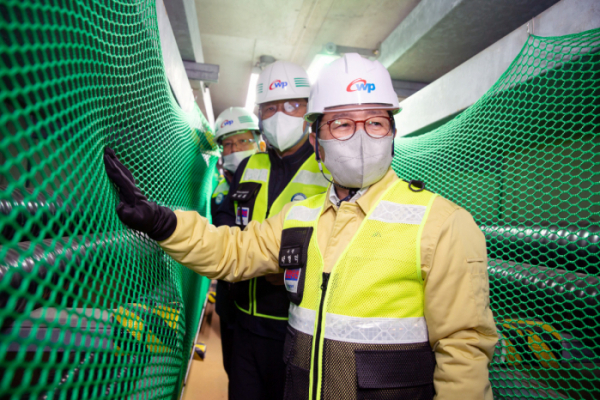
x=525 y=161
x=88 y=308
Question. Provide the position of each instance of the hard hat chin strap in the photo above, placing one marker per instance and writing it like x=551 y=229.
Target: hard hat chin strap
x=393 y=131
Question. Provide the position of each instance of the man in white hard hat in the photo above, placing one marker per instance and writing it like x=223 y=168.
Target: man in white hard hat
x=387 y=281
x=237 y=132
x=263 y=184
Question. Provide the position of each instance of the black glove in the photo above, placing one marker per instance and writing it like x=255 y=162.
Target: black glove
x=134 y=209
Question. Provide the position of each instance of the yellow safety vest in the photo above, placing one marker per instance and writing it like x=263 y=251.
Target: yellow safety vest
x=360 y=331
x=257 y=297
x=221 y=191
x=254 y=185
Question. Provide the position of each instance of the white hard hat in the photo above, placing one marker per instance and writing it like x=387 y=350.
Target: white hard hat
x=352 y=80
x=282 y=81
x=235 y=119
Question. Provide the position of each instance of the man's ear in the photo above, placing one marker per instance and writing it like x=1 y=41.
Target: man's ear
x=312 y=138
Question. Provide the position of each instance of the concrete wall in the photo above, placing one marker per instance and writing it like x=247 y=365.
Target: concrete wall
x=174 y=68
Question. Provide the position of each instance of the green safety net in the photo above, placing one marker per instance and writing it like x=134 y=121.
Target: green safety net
x=524 y=160
x=89 y=308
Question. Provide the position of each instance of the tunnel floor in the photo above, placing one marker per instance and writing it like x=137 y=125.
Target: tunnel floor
x=207 y=379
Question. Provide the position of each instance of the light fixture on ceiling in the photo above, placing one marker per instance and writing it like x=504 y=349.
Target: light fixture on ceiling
x=251 y=95
x=332 y=52
x=256 y=70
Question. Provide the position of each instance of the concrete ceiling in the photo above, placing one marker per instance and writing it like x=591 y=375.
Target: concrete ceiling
x=439 y=36
x=419 y=40
x=235 y=33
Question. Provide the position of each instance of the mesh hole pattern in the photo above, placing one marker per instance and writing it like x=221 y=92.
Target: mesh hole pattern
x=340 y=376
x=300 y=349
x=524 y=160
x=89 y=308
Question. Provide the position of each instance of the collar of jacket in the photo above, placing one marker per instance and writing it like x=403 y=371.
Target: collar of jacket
x=297 y=158
x=371 y=196
x=227 y=176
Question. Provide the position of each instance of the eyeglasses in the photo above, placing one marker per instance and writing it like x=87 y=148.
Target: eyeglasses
x=242 y=144
x=345 y=128
x=294 y=108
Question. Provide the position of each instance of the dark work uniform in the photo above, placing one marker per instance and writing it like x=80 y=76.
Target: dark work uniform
x=224 y=306
x=258 y=371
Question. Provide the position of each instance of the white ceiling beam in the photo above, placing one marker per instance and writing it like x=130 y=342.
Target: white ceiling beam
x=173 y=64
x=439 y=35
x=186 y=32
x=202 y=72
x=406 y=89
x=464 y=85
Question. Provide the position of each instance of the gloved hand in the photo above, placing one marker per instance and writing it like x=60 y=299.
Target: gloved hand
x=134 y=209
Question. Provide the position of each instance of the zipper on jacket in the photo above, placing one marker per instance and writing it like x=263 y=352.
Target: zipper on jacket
x=317 y=337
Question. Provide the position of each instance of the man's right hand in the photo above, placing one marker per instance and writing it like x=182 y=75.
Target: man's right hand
x=134 y=209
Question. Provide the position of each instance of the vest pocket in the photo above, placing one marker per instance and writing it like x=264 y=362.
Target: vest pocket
x=293 y=256
x=246 y=191
x=241 y=295
x=296 y=383
x=288 y=345
x=297 y=378
x=245 y=197
x=270 y=300
x=395 y=374
x=294 y=284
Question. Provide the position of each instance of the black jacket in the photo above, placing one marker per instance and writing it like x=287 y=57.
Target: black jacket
x=282 y=172
x=224 y=305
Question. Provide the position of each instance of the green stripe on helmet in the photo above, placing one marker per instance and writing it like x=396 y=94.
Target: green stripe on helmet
x=301 y=82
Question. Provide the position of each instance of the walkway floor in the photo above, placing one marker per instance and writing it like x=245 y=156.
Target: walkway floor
x=207 y=379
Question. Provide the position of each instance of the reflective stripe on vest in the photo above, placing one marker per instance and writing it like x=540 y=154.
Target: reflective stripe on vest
x=307 y=182
x=374 y=293
x=361 y=330
x=222 y=187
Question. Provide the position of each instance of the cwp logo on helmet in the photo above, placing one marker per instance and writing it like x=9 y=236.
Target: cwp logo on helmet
x=277 y=84
x=226 y=122
x=360 y=84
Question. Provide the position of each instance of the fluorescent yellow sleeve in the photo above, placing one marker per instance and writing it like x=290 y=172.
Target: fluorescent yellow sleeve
x=457 y=309
x=225 y=253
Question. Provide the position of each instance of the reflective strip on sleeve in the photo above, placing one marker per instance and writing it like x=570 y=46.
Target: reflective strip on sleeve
x=312 y=178
x=361 y=330
x=302 y=319
x=395 y=213
x=258 y=175
x=376 y=330
x=304 y=214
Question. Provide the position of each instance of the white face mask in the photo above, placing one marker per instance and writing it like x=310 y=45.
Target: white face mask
x=359 y=161
x=283 y=131
x=233 y=160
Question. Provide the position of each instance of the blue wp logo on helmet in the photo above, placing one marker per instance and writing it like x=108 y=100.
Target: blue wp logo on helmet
x=277 y=84
x=226 y=123
x=360 y=85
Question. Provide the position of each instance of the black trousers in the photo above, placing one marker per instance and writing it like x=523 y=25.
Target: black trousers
x=257 y=368
x=227 y=332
